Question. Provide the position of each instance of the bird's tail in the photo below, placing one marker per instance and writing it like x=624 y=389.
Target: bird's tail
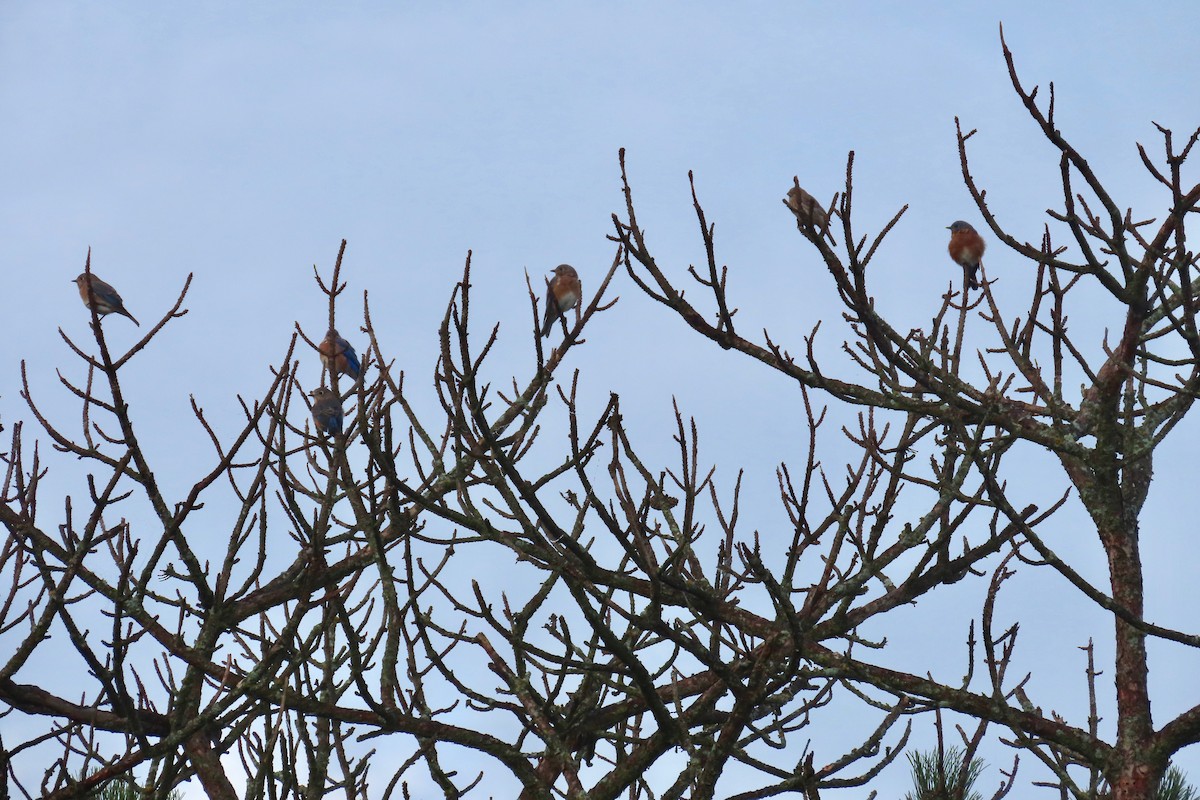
x=126 y=313
x=548 y=321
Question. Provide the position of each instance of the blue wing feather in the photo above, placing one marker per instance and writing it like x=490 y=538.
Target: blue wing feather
x=352 y=365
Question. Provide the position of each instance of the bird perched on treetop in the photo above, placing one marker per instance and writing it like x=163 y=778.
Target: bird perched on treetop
x=806 y=208
x=562 y=294
x=327 y=410
x=338 y=355
x=966 y=248
x=101 y=296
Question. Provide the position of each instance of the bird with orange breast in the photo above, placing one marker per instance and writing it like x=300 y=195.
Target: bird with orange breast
x=101 y=297
x=966 y=248
x=562 y=295
x=338 y=355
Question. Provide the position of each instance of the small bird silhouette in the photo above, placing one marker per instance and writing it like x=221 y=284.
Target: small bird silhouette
x=966 y=248
x=327 y=410
x=338 y=356
x=562 y=295
x=102 y=296
x=806 y=208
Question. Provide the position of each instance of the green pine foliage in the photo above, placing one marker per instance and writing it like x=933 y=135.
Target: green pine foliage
x=1175 y=786
x=123 y=790
x=936 y=776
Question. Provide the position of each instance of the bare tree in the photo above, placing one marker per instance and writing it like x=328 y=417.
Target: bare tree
x=343 y=640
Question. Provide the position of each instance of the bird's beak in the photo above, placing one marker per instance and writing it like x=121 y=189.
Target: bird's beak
x=947 y=227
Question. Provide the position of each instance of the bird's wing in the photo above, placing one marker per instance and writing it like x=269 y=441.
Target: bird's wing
x=551 y=311
x=352 y=364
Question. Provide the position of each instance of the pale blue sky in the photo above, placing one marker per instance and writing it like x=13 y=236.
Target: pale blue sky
x=243 y=144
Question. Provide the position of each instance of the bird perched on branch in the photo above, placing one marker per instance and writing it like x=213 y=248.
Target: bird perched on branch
x=327 y=410
x=806 y=208
x=966 y=248
x=562 y=295
x=338 y=355
x=101 y=296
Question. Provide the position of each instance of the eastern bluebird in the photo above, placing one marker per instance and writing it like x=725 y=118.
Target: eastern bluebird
x=103 y=295
x=327 y=410
x=562 y=294
x=966 y=248
x=338 y=356
x=806 y=208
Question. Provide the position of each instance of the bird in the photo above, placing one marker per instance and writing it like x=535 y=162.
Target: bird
x=327 y=410
x=966 y=248
x=338 y=355
x=562 y=294
x=101 y=296
x=806 y=208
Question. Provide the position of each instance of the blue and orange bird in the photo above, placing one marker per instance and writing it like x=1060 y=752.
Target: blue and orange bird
x=327 y=410
x=562 y=295
x=966 y=248
x=102 y=296
x=338 y=355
